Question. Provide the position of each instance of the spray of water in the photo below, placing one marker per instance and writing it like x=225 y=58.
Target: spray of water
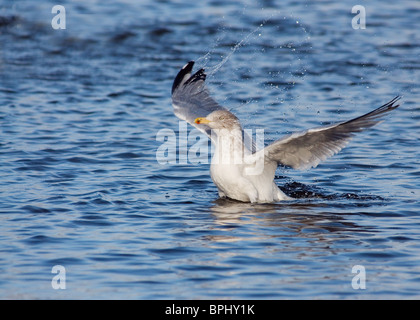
x=282 y=80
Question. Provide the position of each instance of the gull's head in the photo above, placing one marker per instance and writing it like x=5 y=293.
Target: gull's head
x=220 y=119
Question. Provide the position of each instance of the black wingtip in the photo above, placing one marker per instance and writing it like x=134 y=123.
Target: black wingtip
x=379 y=112
x=199 y=75
x=391 y=104
x=181 y=74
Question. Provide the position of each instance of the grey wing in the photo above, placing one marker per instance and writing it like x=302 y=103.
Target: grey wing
x=191 y=98
x=306 y=149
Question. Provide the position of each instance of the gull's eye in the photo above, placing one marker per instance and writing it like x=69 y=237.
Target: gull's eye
x=221 y=118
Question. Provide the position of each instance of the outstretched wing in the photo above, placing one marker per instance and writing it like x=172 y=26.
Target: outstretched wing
x=191 y=98
x=306 y=149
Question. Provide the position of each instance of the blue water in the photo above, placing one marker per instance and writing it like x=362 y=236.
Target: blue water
x=80 y=185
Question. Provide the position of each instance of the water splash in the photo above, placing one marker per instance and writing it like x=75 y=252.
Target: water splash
x=299 y=190
x=245 y=40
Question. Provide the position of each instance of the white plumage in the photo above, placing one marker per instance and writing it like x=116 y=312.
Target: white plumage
x=248 y=175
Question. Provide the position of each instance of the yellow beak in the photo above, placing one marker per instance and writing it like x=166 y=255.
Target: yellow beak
x=201 y=120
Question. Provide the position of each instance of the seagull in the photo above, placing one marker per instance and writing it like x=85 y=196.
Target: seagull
x=241 y=172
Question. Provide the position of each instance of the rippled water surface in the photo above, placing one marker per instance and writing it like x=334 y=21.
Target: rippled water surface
x=80 y=185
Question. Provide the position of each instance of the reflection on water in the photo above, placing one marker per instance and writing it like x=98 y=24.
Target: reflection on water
x=296 y=215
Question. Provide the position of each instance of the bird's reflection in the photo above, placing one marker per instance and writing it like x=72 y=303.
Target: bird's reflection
x=299 y=218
